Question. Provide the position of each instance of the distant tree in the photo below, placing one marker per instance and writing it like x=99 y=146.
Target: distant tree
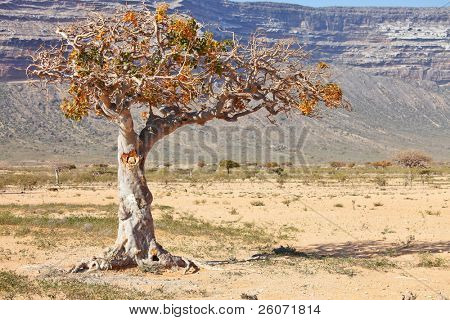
x=182 y=76
x=229 y=164
x=412 y=159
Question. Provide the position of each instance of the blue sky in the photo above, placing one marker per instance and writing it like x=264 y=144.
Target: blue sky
x=390 y=3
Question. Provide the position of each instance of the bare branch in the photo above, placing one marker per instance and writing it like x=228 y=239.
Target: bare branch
x=158 y=59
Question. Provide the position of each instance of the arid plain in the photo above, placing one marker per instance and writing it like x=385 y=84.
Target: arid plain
x=321 y=233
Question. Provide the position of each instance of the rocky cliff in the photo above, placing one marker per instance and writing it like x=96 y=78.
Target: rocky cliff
x=411 y=43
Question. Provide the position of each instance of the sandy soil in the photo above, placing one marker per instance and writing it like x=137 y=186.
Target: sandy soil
x=361 y=241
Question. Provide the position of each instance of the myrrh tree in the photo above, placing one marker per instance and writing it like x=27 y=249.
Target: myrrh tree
x=166 y=63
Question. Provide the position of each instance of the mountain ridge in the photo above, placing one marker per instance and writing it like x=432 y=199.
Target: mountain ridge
x=409 y=43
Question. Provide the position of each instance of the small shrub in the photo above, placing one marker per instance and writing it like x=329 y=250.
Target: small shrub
x=341 y=177
x=339 y=205
x=387 y=230
x=378 y=204
x=271 y=165
x=245 y=296
x=381 y=164
x=378 y=264
x=432 y=213
x=337 y=164
x=380 y=181
x=286 y=202
x=257 y=203
x=201 y=164
x=428 y=261
x=278 y=171
x=248 y=174
x=425 y=172
x=412 y=159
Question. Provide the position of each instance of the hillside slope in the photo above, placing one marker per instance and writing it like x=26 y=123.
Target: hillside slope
x=388 y=115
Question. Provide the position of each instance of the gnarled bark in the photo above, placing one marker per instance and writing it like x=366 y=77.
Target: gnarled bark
x=136 y=243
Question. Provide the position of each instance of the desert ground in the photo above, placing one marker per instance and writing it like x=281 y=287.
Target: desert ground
x=323 y=233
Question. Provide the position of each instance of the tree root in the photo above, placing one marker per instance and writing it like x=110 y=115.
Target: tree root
x=157 y=260
x=161 y=257
x=113 y=259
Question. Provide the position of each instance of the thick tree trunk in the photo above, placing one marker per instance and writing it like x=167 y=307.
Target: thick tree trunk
x=136 y=233
x=136 y=243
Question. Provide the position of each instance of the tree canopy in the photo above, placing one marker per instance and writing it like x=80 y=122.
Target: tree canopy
x=166 y=63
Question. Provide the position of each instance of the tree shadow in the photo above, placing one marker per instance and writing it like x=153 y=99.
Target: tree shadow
x=357 y=249
x=363 y=249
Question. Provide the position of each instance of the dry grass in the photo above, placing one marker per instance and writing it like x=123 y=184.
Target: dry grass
x=428 y=261
x=15 y=286
x=32 y=177
x=257 y=203
x=39 y=223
